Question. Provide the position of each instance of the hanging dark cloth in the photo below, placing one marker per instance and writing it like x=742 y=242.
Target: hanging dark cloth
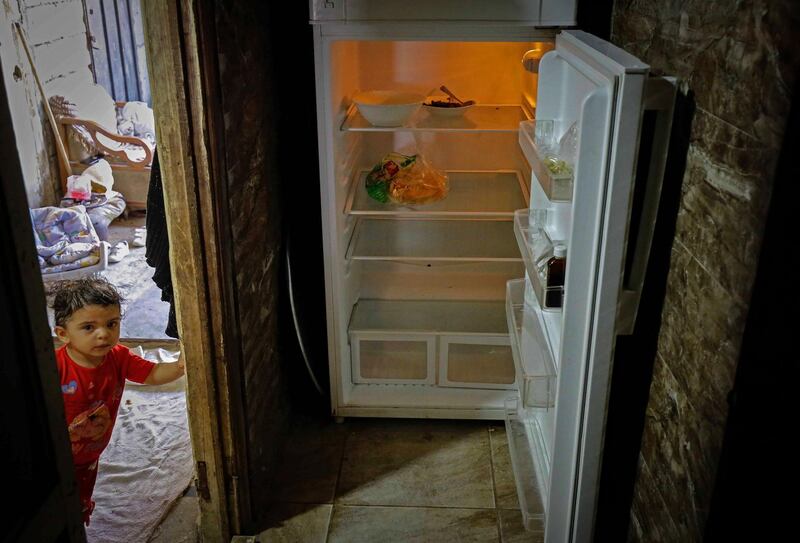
x=157 y=243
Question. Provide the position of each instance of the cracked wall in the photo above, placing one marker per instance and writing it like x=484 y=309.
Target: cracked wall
x=56 y=31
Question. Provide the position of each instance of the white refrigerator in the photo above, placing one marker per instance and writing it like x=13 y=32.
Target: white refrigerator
x=441 y=310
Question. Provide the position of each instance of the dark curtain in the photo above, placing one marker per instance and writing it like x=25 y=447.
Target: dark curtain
x=157 y=244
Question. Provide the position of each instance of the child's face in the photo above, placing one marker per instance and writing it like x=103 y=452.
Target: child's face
x=91 y=331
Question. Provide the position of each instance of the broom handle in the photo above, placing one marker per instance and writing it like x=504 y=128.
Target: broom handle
x=66 y=169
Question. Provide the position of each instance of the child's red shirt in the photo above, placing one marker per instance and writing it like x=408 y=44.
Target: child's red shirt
x=92 y=397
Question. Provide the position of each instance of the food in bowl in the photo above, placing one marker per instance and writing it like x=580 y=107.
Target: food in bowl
x=388 y=108
x=444 y=106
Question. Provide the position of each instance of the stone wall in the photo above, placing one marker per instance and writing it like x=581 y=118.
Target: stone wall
x=57 y=33
x=737 y=63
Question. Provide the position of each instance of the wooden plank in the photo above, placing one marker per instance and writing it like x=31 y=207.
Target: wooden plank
x=202 y=67
x=126 y=48
x=165 y=52
x=99 y=52
x=114 y=50
x=139 y=50
x=167 y=344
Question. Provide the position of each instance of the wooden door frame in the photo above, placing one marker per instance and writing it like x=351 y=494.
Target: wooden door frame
x=188 y=127
x=181 y=75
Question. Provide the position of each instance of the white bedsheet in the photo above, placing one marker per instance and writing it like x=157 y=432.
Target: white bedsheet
x=147 y=465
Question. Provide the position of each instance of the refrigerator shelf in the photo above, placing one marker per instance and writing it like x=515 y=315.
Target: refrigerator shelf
x=433 y=240
x=399 y=400
x=536 y=248
x=479 y=118
x=557 y=186
x=473 y=194
x=531 y=348
x=530 y=465
x=429 y=317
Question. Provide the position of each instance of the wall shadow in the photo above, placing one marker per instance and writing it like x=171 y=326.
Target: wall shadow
x=635 y=354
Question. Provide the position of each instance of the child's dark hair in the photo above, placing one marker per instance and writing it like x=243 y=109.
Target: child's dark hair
x=70 y=296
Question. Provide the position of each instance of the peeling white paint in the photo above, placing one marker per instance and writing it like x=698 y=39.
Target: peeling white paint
x=57 y=62
x=721 y=177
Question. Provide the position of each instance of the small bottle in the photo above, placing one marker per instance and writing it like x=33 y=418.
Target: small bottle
x=556 y=268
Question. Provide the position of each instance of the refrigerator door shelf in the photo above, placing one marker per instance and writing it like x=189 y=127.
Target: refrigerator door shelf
x=536 y=247
x=479 y=118
x=530 y=464
x=493 y=194
x=432 y=241
x=531 y=348
x=539 y=143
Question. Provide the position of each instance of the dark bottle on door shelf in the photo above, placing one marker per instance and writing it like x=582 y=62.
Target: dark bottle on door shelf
x=556 y=269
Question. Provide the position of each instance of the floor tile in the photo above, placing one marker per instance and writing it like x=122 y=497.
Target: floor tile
x=417 y=463
x=513 y=531
x=297 y=523
x=310 y=463
x=353 y=524
x=504 y=485
x=181 y=523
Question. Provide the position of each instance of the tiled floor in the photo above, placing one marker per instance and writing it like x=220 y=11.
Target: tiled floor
x=391 y=480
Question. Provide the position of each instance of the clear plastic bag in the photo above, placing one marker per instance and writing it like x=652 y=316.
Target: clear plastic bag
x=79 y=187
x=408 y=180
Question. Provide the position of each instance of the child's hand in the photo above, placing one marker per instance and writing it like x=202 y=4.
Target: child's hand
x=166 y=372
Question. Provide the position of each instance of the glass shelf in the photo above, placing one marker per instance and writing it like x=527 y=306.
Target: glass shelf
x=557 y=187
x=429 y=316
x=536 y=248
x=433 y=240
x=480 y=194
x=530 y=464
x=531 y=348
x=481 y=118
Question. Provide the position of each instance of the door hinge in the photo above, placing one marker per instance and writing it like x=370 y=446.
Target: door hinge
x=202 y=481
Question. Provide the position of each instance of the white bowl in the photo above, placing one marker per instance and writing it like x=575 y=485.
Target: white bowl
x=444 y=111
x=388 y=108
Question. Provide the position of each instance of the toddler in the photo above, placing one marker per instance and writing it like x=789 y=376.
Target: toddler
x=93 y=369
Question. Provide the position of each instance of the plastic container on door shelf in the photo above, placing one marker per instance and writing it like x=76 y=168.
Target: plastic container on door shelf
x=537 y=249
x=551 y=159
x=556 y=270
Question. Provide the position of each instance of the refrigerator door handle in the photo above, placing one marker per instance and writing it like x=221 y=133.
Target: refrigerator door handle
x=659 y=102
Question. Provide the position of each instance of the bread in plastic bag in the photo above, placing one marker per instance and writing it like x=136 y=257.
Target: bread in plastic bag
x=408 y=180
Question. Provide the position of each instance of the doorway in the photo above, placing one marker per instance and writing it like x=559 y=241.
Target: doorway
x=32 y=181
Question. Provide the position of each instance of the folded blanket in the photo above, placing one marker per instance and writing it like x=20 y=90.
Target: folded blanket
x=65 y=238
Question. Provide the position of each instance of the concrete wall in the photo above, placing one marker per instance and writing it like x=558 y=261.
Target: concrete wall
x=57 y=36
x=737 y=61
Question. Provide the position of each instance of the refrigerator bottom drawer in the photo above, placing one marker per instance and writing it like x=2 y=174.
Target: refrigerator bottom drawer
x=464 y=361
x=393 y=359
x=476 y=362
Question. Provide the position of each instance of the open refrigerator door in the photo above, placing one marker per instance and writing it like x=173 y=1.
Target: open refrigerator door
x=583 y=149
x=444 y=310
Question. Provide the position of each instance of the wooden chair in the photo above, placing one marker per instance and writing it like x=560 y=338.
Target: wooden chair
x=88 y=122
